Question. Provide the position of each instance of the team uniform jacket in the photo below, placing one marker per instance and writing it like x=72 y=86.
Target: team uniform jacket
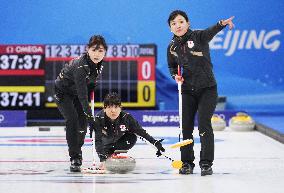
x=191 y=52
x=75 y=78
x=108 y=132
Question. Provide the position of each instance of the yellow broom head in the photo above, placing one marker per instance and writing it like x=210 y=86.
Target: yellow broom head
x=182 y=143
x=177 y=164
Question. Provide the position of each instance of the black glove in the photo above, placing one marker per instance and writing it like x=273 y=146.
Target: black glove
x=103 y=156
x=91 y=87
x=58 y=97
x=92 y=129
x=159 y=146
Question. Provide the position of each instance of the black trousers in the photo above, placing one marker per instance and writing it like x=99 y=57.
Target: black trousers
x=204 y=102
x=76 y=123
x=126 y=142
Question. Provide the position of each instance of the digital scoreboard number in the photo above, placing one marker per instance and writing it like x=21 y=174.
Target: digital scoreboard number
x=129 y=70
x=22 y=76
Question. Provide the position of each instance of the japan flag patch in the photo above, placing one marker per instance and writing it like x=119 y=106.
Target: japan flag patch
x=122 y=127
x=190 y=44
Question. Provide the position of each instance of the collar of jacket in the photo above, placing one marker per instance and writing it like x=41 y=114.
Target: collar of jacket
x=108 y=121
x=122 y=117
x=183 y=39
x=91 y=64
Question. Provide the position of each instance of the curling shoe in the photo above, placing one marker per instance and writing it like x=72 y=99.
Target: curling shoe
x=186 y=169
x=206 y=170
x=76 y=165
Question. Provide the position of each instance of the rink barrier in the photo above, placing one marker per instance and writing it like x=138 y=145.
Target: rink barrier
x=277 y=135
x=13 y=118
x=151 y=118
x=169 y=118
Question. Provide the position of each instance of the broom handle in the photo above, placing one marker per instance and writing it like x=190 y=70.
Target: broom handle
x=93 y=113
x=179 y=105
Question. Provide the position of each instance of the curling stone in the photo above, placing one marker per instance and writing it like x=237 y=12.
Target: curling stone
x=120 y=164
x=218 y=123
x=242 y=122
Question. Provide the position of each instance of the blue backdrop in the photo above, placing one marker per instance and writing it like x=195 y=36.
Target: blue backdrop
x=248 y=61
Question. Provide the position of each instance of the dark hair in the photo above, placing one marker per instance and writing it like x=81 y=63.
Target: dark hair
x=112 y=99
x=175 y=13
x=97 y=40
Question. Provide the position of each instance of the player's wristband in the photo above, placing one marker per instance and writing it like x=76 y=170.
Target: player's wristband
x=221 y=23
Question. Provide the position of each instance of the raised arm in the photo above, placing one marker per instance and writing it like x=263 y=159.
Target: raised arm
x=208 y=34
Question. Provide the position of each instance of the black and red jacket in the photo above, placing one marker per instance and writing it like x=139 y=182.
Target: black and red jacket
x=75 y=78
x=108 y=132
x=191 y=52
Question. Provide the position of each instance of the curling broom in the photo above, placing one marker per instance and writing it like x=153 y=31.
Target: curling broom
x=177 y=164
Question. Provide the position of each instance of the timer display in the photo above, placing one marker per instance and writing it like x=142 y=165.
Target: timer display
x=22 y=76
x=15 y=99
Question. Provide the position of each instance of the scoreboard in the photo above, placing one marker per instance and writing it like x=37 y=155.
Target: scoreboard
x=28 y=73
x=22 y=76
